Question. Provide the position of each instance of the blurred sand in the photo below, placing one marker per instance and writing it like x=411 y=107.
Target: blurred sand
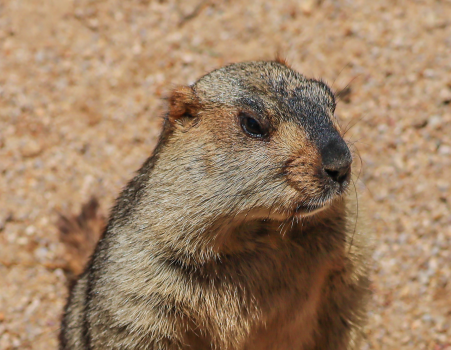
x=80 y=99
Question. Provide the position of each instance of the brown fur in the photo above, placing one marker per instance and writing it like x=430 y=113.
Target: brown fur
x=281 y=60
x=226 y=241
x=80 y=234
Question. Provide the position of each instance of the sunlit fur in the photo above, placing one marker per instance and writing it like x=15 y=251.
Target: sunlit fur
x=223 y=241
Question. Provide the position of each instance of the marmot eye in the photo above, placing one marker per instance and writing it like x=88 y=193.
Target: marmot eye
x=251 y=126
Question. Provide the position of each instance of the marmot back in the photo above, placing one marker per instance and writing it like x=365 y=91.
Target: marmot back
x=236 y=233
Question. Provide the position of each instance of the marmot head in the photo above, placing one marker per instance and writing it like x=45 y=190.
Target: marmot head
x=258 y=139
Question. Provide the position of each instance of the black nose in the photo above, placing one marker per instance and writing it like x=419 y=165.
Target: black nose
x=337 y=159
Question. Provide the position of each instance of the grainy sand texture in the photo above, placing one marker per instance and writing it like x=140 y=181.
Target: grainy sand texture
x=81 y=95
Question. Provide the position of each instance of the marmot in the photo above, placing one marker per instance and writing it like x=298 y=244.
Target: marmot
x=237 y=233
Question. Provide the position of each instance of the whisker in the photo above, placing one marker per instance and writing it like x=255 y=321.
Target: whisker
x=356 y=151
x=350 y=127
x=337 y=95
x=356 y=218
x=339 y=73
x=275 y=200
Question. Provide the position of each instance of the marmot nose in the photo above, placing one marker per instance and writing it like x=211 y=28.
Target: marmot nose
x=336 y=159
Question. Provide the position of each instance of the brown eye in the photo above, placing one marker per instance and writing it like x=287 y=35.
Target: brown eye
x=251 y=126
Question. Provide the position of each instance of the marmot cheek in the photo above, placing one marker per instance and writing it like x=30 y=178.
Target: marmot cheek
x=310 y=182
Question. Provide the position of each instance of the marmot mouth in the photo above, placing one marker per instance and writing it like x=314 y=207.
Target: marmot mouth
x=309 y=208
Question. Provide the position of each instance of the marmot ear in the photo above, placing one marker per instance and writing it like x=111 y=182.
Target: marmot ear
x=183 y=104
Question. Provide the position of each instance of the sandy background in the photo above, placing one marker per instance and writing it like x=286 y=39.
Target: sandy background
x=81 y=87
